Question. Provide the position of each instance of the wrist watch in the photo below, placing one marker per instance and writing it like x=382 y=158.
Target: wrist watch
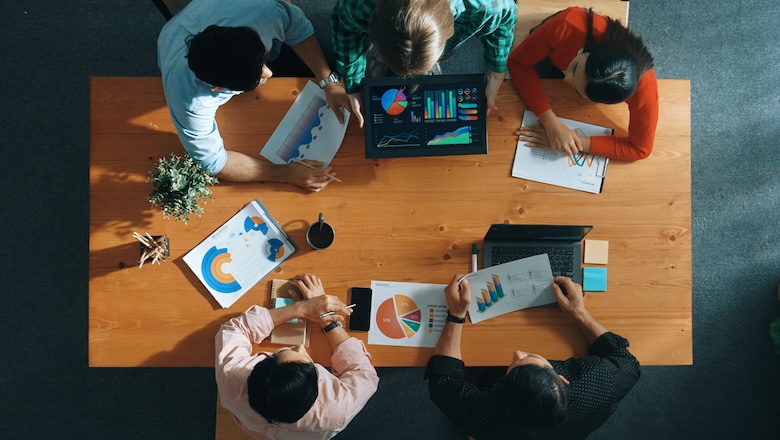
x=455 y=319
x=331 y=326
x=334 y=77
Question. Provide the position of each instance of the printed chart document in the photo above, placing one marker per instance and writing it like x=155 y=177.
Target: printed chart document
x=240 y=253
x=507 y=287
x=309 y=130
x=407 y=314
x=581 y=171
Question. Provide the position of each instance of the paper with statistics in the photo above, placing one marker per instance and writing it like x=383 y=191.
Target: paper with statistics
x=240 y=253
x=581 y=171
x=309 y=130
x=407 y=314
x=507 y=287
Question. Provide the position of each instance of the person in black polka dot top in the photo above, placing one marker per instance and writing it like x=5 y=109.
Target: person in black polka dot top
x=537 y=398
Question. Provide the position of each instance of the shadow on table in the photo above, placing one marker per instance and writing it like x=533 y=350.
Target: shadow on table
x=190 y=350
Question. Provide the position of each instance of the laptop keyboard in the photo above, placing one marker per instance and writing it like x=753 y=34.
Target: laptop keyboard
x=561 y=258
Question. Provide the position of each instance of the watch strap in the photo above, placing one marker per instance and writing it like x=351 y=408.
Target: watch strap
x=334 y=77
x=331 y=326
x=455 y=319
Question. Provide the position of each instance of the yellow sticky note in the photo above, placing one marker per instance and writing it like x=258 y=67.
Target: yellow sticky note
x=596 y=251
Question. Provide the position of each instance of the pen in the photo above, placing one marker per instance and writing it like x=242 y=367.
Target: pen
x=315 y=168
x=333 y=313
x=474 y=257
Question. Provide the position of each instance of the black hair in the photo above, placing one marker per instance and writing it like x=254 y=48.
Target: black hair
x=535 y=396
x=229 y=57
x=614 y=67
x=282 y=391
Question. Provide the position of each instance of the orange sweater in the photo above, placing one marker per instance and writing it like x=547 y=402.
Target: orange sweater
x=561 y=38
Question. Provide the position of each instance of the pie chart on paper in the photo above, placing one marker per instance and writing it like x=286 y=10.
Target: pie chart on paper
x=398 y=317
x=394 y=102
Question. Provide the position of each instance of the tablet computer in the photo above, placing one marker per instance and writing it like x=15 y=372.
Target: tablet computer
x=435 y=115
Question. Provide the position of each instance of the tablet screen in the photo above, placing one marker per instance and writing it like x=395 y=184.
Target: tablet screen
x=425 y=116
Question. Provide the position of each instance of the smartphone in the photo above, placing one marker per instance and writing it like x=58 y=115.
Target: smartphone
x=360 y=319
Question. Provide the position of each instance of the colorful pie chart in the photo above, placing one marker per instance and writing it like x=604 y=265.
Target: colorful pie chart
x=398 y=317
x=394 y=102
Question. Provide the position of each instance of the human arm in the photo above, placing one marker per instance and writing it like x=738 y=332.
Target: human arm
x=349 y=30
x=240 y=167
x=309 y=52
x=564 y=139
x=351 y=362
x=573 y=303
x=643 y=120
x=458 y=296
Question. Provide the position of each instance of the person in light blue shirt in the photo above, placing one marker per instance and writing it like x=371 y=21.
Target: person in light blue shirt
x=213 y=50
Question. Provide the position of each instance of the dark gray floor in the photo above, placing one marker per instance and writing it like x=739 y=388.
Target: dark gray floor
x=49 y=51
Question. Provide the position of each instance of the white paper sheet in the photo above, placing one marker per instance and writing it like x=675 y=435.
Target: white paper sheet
x=407 y=314
x=507 y=287
x=582 y=171
x=309 y=130
x=240 y=253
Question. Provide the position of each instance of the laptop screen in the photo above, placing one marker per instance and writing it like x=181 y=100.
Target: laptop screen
x=504 y=232
x=432 y=115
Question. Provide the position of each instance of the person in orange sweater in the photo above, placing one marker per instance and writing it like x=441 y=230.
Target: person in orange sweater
x=604 y=62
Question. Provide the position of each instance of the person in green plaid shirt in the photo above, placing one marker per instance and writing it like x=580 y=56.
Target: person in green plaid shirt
x=412 y=32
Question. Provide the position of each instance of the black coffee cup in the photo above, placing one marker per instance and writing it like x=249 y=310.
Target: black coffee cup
x=320 y=235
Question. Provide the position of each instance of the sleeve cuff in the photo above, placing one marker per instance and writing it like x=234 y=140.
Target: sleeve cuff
x=607 y=344
x=440 y=365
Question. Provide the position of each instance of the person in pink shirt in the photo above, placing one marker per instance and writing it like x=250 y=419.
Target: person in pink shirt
x=603 y=62
x=285 y=394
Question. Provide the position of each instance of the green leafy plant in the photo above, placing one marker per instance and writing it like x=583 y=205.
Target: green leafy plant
x=179 y=185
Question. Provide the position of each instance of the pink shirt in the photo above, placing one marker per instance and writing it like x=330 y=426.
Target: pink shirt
x=341 y=395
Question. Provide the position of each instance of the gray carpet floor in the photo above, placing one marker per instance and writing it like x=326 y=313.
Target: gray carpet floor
x=50 y=49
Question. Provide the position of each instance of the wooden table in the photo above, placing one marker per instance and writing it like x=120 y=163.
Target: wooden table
x=395 y=219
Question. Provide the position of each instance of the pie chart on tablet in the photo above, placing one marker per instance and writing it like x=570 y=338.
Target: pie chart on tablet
x=398 y=317
x=394 y=102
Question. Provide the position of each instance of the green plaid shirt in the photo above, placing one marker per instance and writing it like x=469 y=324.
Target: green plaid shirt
x=492 y=20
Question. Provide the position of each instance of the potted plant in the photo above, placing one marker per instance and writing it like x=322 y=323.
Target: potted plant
x=179 y=185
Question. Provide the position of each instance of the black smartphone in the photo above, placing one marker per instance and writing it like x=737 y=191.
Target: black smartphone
x=360 y=319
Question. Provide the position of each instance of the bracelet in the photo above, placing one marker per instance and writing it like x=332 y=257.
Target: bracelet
x=455 y=319
x=334 y=77
x=331 y=326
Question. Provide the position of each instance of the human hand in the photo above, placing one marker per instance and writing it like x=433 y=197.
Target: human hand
x=458 y=296
x=562 y=138
x=315 y=303
x=309 y=177
x=573 y=301
x=355 y=106
x=337 y=99
x=494 y=81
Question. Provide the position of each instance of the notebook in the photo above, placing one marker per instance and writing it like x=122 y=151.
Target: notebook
x=561 y=243
x=294 y=331
x=432 y=115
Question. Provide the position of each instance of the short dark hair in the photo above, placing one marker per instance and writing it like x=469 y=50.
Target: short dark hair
x=229 y=57
x=410 y=35
x=282 y=391
x=615 y=66
x=534 y=395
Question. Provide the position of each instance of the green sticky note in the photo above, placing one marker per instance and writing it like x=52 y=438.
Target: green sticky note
x=594 y=279
x=283 y=302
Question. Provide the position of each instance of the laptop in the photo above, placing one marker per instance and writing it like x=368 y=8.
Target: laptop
x=562 y=244
x=433 y=115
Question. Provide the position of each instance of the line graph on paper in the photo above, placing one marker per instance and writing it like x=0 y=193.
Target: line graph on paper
x=309 y=130
x=404 y=139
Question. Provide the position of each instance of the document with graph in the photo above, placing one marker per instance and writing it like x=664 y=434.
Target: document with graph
x=581 y=171
x=240 y=253
x=309 y=130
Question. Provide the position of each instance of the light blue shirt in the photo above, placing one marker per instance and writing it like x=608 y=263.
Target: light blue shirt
x=191 y=102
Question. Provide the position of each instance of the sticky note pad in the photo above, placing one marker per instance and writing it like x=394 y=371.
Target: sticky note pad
x=594 y=279
x=596 y=251
x=282 y=302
